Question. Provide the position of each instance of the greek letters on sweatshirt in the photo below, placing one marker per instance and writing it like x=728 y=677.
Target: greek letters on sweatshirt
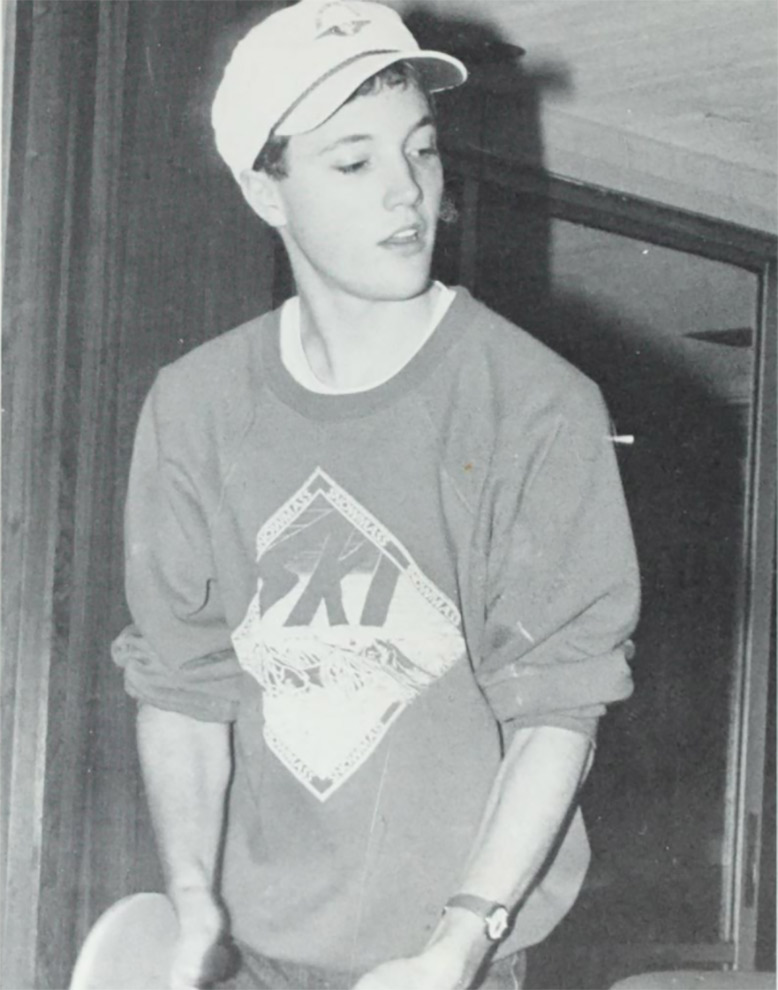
x=377 y=589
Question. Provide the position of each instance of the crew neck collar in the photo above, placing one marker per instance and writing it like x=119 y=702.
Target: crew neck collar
x=320 y=405
x=296 y=361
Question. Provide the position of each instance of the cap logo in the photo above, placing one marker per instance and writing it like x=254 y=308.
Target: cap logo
x=338 y=19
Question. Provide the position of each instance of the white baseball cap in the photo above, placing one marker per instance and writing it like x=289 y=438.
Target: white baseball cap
x=294 y=69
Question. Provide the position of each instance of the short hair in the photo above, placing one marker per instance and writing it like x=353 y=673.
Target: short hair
x=272 y=156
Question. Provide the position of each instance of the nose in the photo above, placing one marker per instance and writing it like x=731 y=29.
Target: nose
x=402 y=185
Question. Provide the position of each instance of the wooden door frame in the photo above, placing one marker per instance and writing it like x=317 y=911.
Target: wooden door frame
x=35 y=529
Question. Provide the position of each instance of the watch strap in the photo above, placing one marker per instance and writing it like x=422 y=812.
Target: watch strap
x=474 y=904
x=493 y=915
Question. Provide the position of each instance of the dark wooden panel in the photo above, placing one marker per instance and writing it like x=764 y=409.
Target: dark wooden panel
x=40 y=249
x=128 y=244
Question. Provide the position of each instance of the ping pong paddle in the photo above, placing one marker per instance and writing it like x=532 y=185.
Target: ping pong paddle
x=130 y=946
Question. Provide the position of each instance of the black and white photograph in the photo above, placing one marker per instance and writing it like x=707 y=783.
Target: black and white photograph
x=389 y=464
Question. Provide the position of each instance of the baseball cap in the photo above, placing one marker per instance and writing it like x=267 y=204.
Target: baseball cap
x=297 y=67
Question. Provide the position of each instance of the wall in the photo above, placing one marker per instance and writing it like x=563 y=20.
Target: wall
x=672 y=102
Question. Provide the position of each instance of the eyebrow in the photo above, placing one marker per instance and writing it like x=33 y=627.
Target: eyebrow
x=356 y=138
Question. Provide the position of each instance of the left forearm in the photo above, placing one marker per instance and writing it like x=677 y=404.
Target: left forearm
x=530 y=801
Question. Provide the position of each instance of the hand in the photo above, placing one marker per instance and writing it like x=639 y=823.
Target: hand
x=450 y=960
x=200 y=956
x=434 y=969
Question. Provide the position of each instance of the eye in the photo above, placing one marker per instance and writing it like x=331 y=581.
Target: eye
x=353 y=167
x=427 y=152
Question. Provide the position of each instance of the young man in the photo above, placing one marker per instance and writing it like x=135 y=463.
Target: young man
x=379 y=563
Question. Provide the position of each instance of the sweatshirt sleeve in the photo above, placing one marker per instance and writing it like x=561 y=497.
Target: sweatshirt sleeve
x=562 y=584
x=178 y=654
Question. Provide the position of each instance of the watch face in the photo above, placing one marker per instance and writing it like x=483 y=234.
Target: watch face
x=497 y=923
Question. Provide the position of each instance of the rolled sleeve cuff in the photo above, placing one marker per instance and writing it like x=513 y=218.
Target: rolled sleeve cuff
x=206 y=688
x=552 y=693
x=584 y=721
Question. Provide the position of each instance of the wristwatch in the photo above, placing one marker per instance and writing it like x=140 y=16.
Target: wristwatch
x=493 y=915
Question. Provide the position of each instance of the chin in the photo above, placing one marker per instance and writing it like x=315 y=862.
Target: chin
x=402 y=285
x=399 y=293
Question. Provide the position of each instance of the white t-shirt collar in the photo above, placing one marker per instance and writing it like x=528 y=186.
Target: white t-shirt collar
x=296 y=363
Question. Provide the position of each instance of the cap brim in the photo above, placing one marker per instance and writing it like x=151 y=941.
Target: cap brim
x=438 y=71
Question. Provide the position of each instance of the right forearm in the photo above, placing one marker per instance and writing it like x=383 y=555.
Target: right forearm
x=186 y=767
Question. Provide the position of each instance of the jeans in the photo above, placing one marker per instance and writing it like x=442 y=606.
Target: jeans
x=260 y=973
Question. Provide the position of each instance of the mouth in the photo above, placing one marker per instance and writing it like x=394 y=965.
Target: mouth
x=410 y=236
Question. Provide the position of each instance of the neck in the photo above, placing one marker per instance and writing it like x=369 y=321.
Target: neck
x=349 y=342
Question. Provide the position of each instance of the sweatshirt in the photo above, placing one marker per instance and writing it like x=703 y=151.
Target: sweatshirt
x=378 y=589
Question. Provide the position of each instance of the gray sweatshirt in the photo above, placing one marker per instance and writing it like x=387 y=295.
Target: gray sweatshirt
x=378 y=589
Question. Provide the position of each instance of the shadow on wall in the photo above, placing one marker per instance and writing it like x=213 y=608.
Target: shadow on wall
x=655 y=800
x=498 y=110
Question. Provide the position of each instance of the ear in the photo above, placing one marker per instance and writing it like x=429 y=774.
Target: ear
x=263 y=196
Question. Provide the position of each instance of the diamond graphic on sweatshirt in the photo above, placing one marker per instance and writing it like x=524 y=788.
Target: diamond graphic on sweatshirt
x=343 y=633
